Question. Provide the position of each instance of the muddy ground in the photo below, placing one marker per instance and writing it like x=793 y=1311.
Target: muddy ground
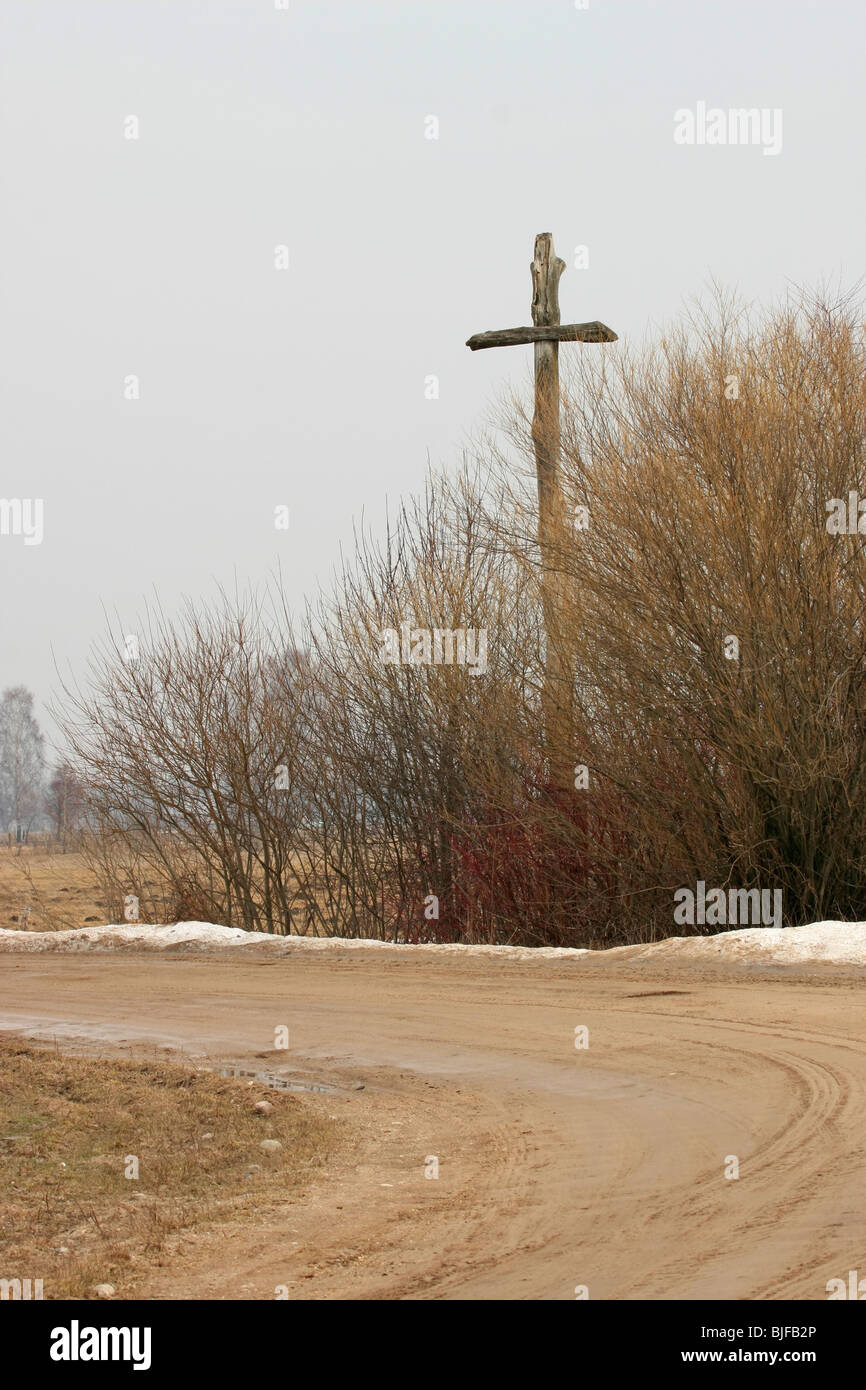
x=558 y=1166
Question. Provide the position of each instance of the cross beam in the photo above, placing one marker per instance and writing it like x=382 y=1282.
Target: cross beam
x=546 y=333
x=594 y=332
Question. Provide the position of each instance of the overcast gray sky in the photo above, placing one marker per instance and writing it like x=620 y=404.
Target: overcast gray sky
x=306 y=127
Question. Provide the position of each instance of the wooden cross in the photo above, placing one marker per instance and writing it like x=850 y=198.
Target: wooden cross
x=546 y=334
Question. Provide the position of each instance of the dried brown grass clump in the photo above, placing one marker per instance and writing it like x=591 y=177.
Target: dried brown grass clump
x=67 y=1127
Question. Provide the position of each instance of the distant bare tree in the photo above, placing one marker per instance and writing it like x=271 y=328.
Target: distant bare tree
x=64 y=800
x=22 y=760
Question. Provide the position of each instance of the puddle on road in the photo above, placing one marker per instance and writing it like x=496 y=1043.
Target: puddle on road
x=277 y=1083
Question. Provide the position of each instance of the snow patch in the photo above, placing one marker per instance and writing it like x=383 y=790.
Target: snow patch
x=140 y=935
x=839 y=943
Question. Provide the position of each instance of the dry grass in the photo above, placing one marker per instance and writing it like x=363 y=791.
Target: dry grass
x=43 y=888
x=68 y=1213
x=59 y=889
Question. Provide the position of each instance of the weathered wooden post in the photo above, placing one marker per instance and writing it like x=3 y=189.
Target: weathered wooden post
x=546 y=333
x=557 y=695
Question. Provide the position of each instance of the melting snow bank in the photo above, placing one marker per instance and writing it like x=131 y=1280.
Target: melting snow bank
x=204 y=936
x=836 y=943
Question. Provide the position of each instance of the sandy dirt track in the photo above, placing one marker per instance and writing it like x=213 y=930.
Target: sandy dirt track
x=558 y=1167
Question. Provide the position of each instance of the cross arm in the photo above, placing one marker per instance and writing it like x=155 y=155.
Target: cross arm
x=594 y=332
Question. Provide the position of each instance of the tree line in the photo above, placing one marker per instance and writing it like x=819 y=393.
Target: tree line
x=33 y=795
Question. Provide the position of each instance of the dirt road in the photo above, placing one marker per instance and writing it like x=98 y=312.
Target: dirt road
x=558 y=1166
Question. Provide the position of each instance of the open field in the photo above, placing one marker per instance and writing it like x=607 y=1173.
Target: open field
x=558 y=1167
x=58 y=889
x=45 y=886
